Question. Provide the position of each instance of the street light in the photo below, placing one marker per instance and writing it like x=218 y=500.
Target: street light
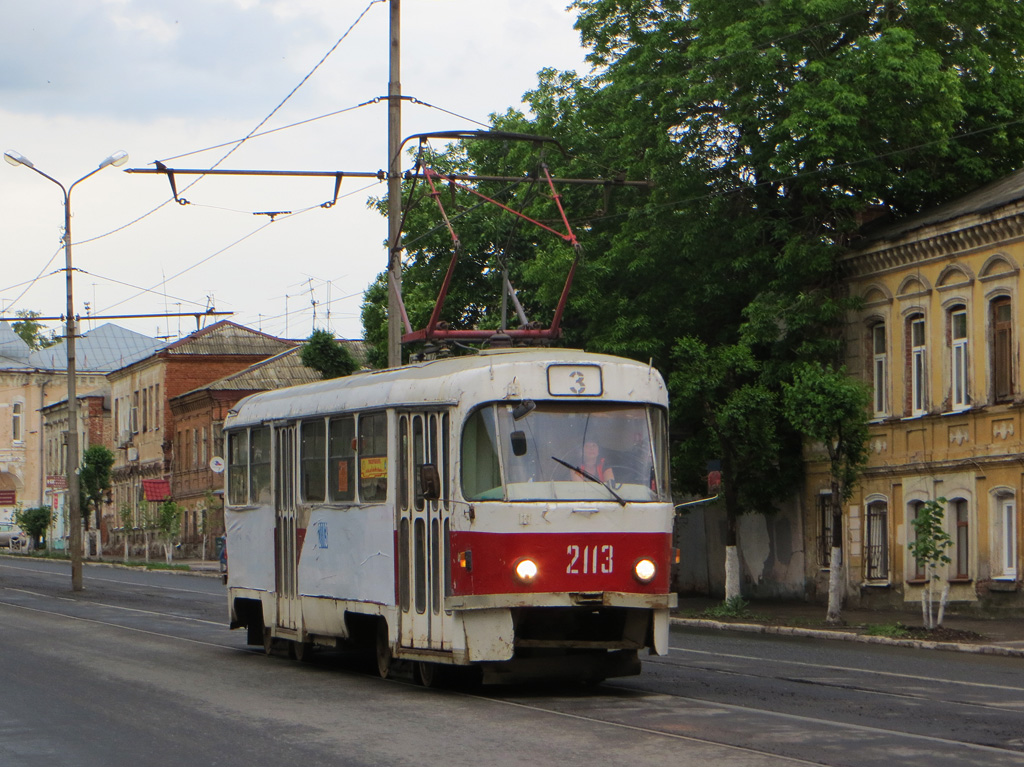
x=74 y=505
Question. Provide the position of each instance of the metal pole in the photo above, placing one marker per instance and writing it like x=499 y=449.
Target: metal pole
x=394 y=193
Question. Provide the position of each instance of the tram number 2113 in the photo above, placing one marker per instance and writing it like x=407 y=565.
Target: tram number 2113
x=589 y=559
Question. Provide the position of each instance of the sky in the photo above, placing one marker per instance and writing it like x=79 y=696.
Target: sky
x=165 y=80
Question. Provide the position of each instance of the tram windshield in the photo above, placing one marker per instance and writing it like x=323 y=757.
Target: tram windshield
x=526 y=451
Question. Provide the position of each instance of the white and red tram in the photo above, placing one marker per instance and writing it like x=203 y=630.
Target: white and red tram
x=508 y=511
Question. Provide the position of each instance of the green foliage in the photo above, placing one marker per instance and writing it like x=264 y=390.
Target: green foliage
x=767 y=128
x=168 y=519
x=94 y=477
x=34 y=522
x=931 y=541
x=325 y=355
x=830 y=408
x=735 y=607
x=892 y=630
x=33 y=333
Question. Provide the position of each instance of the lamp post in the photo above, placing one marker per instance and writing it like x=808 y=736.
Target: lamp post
x=71 y=467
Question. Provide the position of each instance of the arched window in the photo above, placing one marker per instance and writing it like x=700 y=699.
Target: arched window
x=17 y=422
x=1006 y=532
x=916 y=569
x=880 y=370
x=918 y=361
x=960 y=396
x=960 y=523
x=1002 y=350
x=876 y=559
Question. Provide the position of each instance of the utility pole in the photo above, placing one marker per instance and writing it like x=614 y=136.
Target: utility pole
x=394 y=193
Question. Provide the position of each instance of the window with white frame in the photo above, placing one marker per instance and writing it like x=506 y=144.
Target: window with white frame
x=1007 y=548
x=880 y=370
x=918 y=366
x=960 y=396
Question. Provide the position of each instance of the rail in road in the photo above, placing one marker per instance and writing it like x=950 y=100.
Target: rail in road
x=716 y=699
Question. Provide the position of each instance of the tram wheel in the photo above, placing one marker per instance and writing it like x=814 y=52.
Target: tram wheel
x=428 y=674
x=303 y=651
x=383 y=650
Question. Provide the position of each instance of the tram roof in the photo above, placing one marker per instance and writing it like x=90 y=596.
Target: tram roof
x=491 y=375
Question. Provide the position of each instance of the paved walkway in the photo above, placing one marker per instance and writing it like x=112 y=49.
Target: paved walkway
x=994 y=636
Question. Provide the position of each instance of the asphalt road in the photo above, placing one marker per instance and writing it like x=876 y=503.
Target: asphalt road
x=139 y=669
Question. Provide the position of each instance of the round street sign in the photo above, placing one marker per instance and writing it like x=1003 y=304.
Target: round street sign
x=217 y=464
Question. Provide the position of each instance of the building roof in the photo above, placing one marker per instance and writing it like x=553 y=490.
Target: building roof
x=281 y=370
x=1004 y=191
x=14 y=352
x=228 y=338
x=101 y=350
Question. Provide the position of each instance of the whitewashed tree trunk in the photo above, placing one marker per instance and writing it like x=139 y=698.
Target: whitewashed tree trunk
x=925 y=608
x=168 y=551
x=732 y=572
x=835 y=586
x=942 y=604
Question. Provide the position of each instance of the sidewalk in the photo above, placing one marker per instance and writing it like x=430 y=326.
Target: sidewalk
x=963 y=633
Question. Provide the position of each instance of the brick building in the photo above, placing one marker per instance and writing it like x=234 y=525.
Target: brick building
x=198 y=418
x=143 y=421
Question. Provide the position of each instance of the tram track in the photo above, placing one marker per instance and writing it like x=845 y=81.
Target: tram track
x=1007 y=707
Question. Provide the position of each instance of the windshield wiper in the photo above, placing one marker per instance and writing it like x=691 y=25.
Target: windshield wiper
x=587 y=475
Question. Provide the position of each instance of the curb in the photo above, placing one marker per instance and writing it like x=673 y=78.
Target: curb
x=850 y=636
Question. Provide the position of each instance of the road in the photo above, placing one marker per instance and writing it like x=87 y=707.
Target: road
x=140 y=669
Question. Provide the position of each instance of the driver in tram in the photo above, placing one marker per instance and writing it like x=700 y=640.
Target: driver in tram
x=593 y=464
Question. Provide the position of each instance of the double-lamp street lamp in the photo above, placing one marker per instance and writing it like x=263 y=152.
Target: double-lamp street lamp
x=74 y=499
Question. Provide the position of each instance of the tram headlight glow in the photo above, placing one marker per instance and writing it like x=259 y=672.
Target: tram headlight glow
x=644 y=570
x=526 y=570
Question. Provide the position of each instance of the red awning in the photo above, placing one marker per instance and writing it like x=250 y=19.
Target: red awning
x=156 y=489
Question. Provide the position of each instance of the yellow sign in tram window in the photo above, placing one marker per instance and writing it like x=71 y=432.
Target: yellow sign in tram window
x=374 y=467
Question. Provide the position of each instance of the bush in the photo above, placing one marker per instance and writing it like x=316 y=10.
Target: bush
x=34 y=522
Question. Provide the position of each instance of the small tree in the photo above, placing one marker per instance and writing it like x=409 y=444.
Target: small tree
x=325 y=355
x=34 y=522
x=31 y=331
x=929 y=549
x=168 y=524
x=94 y=477
x=125 y=514
x=829 y=407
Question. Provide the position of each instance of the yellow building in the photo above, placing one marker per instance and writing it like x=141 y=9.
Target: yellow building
x=937 y=338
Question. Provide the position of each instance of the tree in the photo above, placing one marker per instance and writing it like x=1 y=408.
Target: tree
x=125 y=515
x=325 y=355
x=33 y=333
x=929 y=549
x=94 y=479
x=168 y=525
x=34 y=522
x=831 y=409
x=768 y=129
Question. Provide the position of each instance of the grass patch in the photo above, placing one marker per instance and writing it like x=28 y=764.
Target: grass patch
x=892 y=630
x=736 y=607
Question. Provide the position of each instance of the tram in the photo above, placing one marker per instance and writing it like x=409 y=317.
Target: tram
x=508 y=512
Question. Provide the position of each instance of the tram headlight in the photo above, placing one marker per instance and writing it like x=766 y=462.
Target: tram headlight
x=644 y=570
x=526 y=570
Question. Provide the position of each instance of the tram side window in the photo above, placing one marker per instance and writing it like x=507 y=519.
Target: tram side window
x=373 y=457
x=238 y=468
x=481 y=472
x=314 y=452
x=259 y=465
x=341 y=473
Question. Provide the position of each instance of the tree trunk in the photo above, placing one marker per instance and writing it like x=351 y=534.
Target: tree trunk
x=732 y=573
x=942 y=605
x=168 y=551
x=835 y=570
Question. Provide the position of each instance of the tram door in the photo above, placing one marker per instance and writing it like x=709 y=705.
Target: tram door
x=423 y=530
x=285 y=560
